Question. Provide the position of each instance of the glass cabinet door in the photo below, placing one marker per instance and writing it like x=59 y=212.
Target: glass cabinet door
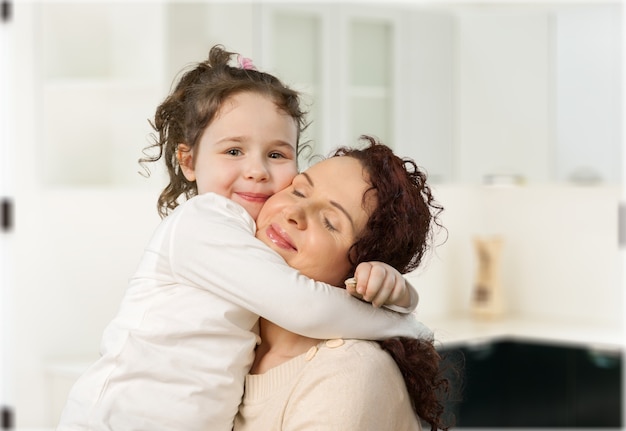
x=99 y=83
x=341 y=58
x=296 y=53
x=370 y=86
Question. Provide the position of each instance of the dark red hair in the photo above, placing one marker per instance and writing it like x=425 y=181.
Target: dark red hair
x=401 y=227
x=399 y=231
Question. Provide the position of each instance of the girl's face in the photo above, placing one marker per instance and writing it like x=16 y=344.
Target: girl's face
x=313 y=223
x=247 y=153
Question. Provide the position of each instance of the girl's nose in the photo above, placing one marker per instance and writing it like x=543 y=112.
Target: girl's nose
x=257 y=171
x=295 y=214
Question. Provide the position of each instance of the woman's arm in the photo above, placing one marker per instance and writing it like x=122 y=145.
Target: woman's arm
x=212 y=246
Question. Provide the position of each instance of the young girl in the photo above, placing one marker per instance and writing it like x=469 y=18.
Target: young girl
x=176 y=354
x=249 y=154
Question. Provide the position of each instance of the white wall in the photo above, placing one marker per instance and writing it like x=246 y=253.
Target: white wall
x=74 y=253
x=560 y=258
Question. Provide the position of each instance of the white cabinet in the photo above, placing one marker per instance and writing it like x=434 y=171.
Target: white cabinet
x=589 y=80
x=98 y=85
x=539 y=93
x=526 y=91
x=371 y=84
x=427 y=115
x=295 y=52
x=503 y=94
x=345 y=60
x=102 y=69
x=466 y=91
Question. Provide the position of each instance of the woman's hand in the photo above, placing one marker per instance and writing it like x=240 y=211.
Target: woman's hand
x=380 y=284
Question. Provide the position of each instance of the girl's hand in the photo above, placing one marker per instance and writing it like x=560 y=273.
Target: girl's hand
x=380 y=284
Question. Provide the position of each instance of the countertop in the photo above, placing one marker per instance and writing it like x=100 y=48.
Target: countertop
x=456 y=331
x=467 y=330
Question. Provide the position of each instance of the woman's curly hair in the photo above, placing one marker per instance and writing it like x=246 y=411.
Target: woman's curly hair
x=401 y=228
x=425 y=378
x=193 y=104
x=399 y=232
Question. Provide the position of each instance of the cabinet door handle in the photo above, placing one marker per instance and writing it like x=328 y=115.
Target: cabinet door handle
x=6 y=11
x=621 y=224
x=604 y=358
x=6 y=215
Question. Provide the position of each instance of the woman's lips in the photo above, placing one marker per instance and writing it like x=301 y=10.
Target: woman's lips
x=279 y=237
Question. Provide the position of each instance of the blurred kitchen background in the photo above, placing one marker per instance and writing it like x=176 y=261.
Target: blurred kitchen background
x=514 y=109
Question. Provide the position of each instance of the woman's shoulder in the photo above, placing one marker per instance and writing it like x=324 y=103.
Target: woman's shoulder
x=355 y=376
x=350 y=346
x=355 y=354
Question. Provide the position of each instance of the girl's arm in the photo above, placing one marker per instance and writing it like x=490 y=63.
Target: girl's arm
x=382 y=285
x=212 y=246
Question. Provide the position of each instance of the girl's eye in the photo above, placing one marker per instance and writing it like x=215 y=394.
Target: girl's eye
x=276 y=156
x=234 y=152
x=297 y=193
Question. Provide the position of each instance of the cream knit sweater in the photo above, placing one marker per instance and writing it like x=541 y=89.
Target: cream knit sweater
x=342 y=385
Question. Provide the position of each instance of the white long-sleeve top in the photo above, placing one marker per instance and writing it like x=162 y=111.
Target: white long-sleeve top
x=176 y=355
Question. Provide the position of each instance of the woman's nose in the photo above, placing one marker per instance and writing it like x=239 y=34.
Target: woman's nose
x=296 y=214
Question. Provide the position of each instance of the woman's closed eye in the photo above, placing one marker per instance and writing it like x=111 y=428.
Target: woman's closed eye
x=328 y=225
x=331 y=226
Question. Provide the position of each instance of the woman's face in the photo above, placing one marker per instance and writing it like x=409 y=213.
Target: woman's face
x=313 y=223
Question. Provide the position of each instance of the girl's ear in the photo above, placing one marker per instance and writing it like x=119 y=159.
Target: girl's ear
x=184 y=155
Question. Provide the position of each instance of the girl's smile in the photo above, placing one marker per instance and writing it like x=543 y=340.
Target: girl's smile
x=253 y=197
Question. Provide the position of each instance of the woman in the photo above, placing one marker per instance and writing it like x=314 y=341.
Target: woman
x=359 y=205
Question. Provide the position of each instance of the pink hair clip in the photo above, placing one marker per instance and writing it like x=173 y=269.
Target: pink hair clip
x=245 y=63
